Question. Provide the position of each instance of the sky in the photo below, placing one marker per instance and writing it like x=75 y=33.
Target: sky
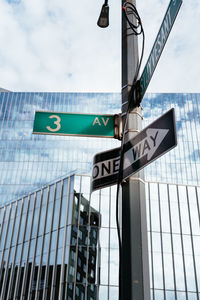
x=55 y=45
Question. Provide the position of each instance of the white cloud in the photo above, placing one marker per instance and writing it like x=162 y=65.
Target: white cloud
x=57 y=46
x=51 y=45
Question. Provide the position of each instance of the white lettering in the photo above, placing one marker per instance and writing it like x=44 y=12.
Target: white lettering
x=149 y=67
x=168 y=24
x=106 y=168
x=162 y=37
x=57 y=123
x=96 y=121
x=147 y=146
x=105 y=122
x=156 y=55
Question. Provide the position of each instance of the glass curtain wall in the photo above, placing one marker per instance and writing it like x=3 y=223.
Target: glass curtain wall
x=28 y=161
x=44 y=236
x=182 y=164
x=58 y=243
x=48 y=247
x=174 y=240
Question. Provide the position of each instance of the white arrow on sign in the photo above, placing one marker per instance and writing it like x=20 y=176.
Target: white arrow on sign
x=147 y=146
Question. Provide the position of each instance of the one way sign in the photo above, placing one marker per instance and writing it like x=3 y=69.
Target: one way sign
x=147 y=146
x=152 y=142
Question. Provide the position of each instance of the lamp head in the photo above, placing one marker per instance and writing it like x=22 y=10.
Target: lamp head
x=103 y=20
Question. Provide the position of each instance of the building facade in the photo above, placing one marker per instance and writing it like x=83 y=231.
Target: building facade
x=58 y=241
x=28 y=161
x=25 y=158
x=49 y=244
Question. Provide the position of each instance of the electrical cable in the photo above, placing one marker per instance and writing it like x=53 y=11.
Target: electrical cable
x=128 y=10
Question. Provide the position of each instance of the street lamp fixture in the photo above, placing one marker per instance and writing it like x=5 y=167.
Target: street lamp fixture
x=103 y=20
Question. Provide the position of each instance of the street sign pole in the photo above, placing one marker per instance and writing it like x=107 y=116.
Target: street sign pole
x=134 y=266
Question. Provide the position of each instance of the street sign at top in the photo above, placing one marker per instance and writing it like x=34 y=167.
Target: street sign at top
x=159 y=44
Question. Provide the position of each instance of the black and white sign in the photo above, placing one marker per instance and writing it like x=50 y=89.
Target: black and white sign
x=152 y=142
x=105 y=168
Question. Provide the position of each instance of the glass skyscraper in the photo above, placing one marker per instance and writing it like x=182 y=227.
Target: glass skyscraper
x=28 y=161
x=59 y=242
x=49 y=242
x=181 y=165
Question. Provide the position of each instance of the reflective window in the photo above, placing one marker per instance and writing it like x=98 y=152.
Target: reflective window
x=22 y=228
x=42 y=218
x=18 y=254
x=56 y=214
x=184 y=218
x=61 y=238
x=25 y=205
x=104 y=267
x=32 y=248
x=49 y=216
x=114 y=270
x=170 y=295
x=58 y=190
x=168 y=271
x=154 y=207
x=51 y=193
x=197 y=258
x=28 y=226
x=181 y=296
x=7 y=213
x=192 y=296
x=165 y=216
x=31 y=201
x=65 y=187
x=46 y=243
x=38 y=199
x=105 y=208
x=59 y=256
x=39 y=244
x=189 y=269
x=103 y=292
x=157 y=270
x=53 y=240
x=3 y=233
x=11 y=257
x=35 y=222
x=9 y=233
x=63 y=211
x=159 y=295
x=167 y=245
x=25 y=251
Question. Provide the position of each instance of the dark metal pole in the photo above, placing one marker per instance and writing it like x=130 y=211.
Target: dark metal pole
x=135 y=265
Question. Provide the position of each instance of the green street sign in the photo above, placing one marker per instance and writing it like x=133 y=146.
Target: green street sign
x=159 y=44
x=75 y=124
